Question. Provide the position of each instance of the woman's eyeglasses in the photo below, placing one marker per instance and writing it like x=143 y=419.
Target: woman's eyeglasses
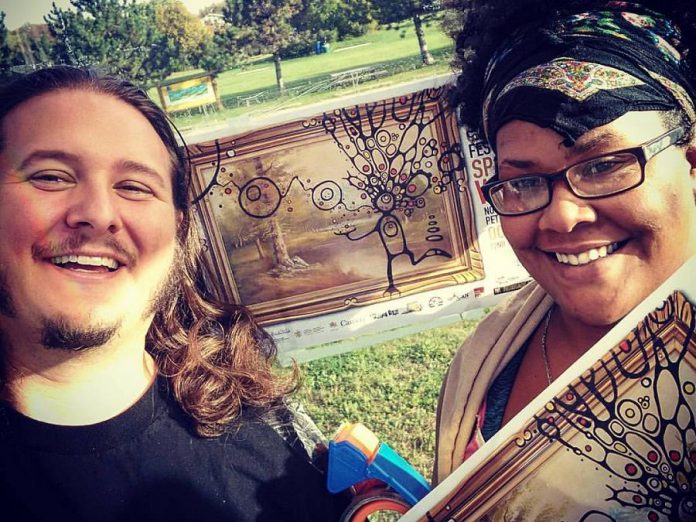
x=599 y=177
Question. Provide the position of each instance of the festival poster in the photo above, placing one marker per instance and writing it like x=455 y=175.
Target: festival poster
x=504 y=272
x=353 y=217
x=613 y=439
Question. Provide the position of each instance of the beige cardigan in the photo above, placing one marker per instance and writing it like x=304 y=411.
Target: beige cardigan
x=477 y=362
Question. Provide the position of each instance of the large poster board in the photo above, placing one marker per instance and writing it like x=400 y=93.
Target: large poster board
x=355 y=217
x=612 y=439
x=341 y=209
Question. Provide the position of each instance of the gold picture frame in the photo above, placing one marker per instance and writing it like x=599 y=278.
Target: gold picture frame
x=345 y=208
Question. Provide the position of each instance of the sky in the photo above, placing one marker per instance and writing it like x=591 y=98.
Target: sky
x=20 y=12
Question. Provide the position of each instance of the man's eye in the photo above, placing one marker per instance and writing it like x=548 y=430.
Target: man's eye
x=51 y=180
x=132 y=189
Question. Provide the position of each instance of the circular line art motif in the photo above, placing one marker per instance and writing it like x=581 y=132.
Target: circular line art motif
x=260 y=197
x=327 y=195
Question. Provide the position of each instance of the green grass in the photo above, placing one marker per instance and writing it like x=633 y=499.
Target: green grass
x=383 y=49
x=392 y=388
x=377 y=47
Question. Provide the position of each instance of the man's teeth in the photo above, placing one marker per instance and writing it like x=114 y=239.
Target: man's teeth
x=588 y=256
x=86 y=260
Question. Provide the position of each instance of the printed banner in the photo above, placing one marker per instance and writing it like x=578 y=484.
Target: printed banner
x=338 y=221
x=187 y=94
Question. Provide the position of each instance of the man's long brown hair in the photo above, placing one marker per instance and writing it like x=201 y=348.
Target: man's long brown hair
x=215 y=356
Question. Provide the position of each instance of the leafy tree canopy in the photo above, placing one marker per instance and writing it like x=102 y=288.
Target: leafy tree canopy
x=120 y=36
x=181 y=34
x=6 y=54
x=331 y=20
x=144 y=42
x=262 y=26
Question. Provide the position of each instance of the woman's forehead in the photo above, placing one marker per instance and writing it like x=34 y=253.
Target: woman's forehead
x=631 y=129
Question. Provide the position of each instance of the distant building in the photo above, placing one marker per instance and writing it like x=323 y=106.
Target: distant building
x=213 y=20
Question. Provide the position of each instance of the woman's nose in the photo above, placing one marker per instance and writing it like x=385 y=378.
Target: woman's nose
x=566 y=210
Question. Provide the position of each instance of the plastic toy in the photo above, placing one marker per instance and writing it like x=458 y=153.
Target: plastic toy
x=357 y=459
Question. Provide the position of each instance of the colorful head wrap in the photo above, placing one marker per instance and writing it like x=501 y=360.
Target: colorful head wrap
x=585 y=70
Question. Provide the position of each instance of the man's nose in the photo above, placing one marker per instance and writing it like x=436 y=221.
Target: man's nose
x=566 y=210
x=94 y=207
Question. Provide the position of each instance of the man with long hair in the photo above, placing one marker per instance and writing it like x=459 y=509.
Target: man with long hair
x=127 y=391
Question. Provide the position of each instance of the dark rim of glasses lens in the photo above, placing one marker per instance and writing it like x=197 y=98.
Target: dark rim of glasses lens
x=643 y=153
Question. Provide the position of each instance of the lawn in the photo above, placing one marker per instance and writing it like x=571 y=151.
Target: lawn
x=252 y=87
x=377 y=47
x=392 y=388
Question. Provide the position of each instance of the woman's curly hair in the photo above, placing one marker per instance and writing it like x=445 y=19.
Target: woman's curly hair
x=479 y=27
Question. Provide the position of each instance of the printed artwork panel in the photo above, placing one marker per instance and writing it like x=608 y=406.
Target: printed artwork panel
x=350 y=207
x=618 y=444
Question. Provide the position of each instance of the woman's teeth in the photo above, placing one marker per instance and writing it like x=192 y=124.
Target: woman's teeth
x=588 y=256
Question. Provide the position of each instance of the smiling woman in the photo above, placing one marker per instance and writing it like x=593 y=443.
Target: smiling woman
x=590 y=109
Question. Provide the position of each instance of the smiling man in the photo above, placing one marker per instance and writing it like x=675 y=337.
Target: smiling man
x=127 y=393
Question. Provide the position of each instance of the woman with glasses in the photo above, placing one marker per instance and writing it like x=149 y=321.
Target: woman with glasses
x=589 y=107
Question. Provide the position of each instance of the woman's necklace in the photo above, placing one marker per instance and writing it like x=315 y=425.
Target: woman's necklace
x=544 y=353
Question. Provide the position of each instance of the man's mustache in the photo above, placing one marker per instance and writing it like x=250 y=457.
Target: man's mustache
x=77 y=241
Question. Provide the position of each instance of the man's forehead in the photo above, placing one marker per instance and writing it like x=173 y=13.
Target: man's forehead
x=46 y=122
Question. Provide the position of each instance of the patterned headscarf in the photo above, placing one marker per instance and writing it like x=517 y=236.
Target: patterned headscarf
x=585 y=70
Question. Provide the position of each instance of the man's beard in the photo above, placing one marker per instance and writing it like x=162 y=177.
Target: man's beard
x=170 y=289
x=6 y=307
x=59 y=334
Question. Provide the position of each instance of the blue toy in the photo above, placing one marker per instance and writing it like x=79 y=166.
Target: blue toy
x=356 y=455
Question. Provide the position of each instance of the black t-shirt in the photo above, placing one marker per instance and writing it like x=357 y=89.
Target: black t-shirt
x=145 y=464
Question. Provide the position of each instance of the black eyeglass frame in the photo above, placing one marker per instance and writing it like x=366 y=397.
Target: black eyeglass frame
x=643 y=154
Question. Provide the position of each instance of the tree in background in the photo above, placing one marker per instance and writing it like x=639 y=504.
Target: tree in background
x=181 y=36
x=7 y=55
x=144 y=42
x=352 y=18
x=120 y=36
x=31 y=46
x=331 y=20
x=390 y=11
x=216 y=8
x=263 y=26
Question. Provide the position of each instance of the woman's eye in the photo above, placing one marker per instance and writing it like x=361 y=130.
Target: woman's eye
x=601 y=168
x=608 y=165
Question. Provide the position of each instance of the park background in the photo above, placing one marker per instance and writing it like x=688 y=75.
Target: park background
x=267 y=56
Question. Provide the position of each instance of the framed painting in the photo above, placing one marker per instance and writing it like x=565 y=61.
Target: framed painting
x=345 y=208
x=617 y=443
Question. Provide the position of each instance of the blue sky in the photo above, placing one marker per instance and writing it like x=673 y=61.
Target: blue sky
x=20 y=12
